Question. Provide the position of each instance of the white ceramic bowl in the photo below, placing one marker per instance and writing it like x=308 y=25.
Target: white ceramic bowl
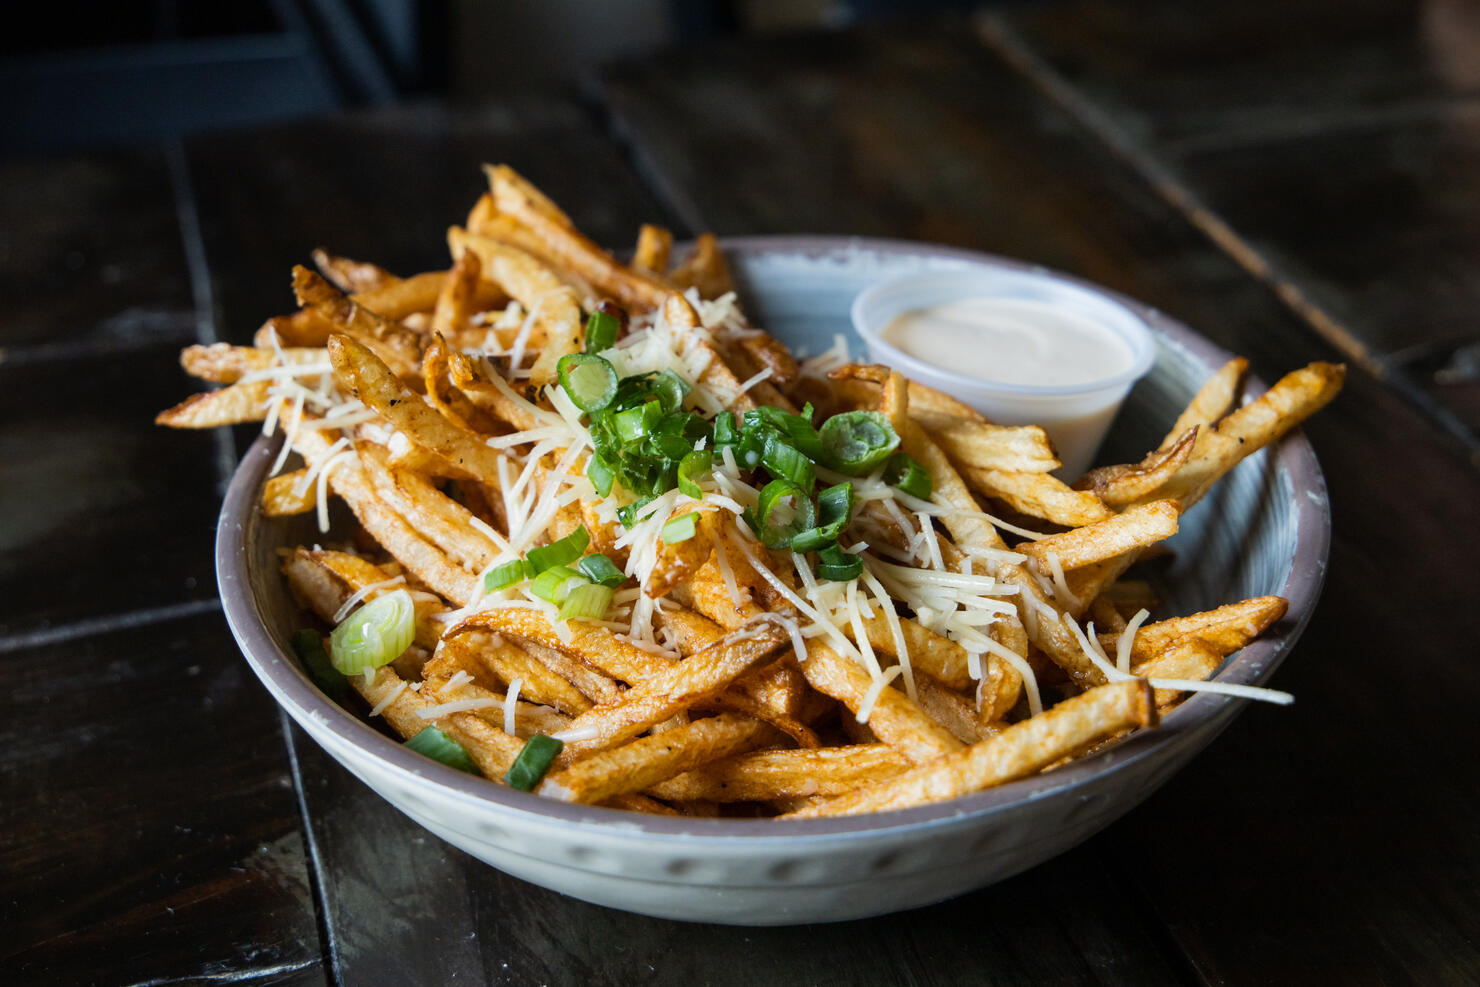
x=1265 y=530
x=1076 y=416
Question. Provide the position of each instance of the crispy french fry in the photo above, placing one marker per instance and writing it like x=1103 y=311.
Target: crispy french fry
x=1120 y=486
x=590 y=643
x=492 y=750
x=394 y=344
x=222 y=363
x=1211 y=402
x=1039 y=495
x=1135 y=528
x=895 y=719
x=977 y=445
x=1225 y=629
x=643 y=763
x=765 y=775
x=1017 y=751
x=704 y=269
x=351 y=275
x=654 y=245
x=230 y=405
x=1189 y=659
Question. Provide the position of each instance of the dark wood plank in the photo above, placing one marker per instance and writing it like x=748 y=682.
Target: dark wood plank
x=1301 y=856
x=1336 y=139
x=1235 y=72
x=151 y=830
x=90 y=250
x=384 y=186
x=104 y=512
x=454 y=917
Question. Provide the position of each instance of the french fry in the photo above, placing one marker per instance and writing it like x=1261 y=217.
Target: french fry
x=492 y=750
x=977 y=445
x=1225 y=629
x=1137 y=527
x=765 y=775
x=351 y=275
x=590 y=643
x=398 y=347
x=643 y=763
x=1189 y=659
x=1016 y=752
x=895 y=719
x=1039 y=495
x=654 y=245
x=1121 y=486
x=1211 y=402
x=222 y=363
x=704 y=269
x=233 y=404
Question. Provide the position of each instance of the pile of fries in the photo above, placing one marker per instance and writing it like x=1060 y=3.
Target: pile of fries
x=968 y=619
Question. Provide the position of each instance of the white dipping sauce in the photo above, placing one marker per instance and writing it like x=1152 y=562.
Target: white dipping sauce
x=1011 y=341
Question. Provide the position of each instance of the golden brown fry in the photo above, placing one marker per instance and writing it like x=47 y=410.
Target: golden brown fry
x=455 y=300
x=398 y=347
x=1189 y=659
x=1222 y=446
x=1135 y=528
x=568 y=247
x=358 y=574
x=1211 y=402
x=704 y=269
x=1119 y=486
x=1016 y=752
x=643 y=763
x=281 y=496
x=676 y=688
x=230 y=405
x=351 y=275
x=404 y=297
x=492 y=750
x=895 y=718
x=556 y=309
x=222 y=363
x=1039 y=495
x=768 y=352
x=947 y=707
x=437 y=517
x=361 y=373
x=654 y=245
x=972 y=444
x=508 y=663
x=590 y=643
x=765 y=775
x=938 y=656
x=1225 y=630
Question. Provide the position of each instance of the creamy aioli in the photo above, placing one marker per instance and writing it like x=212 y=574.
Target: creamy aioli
x=1011 y=341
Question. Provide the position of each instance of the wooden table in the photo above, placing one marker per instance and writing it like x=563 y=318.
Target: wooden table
x=1297 y=181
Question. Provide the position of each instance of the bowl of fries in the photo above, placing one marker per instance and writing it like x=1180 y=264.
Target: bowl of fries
x=600 y=582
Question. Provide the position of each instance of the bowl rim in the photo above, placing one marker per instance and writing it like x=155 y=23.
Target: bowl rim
x=293 y=690
x=1136 y=334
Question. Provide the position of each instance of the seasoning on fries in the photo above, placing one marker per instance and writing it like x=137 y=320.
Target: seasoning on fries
x=616 y=545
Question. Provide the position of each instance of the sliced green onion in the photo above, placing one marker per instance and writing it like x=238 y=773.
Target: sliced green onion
x=508 y=574
x=534 y=759
x=601 y=331
x=680 y=528
x=602 y=570
x=839 y=566
x=782 y=459
x=778 y=522
x=308 y=644
x=600 y=475
x=725 y=432
x=797 y=429
x=672 y=446
x=693 y=466
x=590 y=381
x=439 y=747
x=670 y=389
x=374 y=635
x=561 y=552
x=834 y=509
x=908 y=476
x=586 y=602
x=634 y=424
x=628 y=514
x=555 y=585
x=857 y=441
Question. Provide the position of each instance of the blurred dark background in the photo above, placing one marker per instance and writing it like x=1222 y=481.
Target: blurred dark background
x=140 y=70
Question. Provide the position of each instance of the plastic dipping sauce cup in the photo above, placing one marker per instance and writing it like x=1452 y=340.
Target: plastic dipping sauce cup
x=1022 y=347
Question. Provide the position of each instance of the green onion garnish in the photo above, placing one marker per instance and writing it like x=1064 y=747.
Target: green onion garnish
x=561 y=552
x=508 y=574
x=784 y=511
x=600 y=475
x=534 y=759
x=628 y=514
x=601 y=332
x=908 y=476
x=857 y=441
x=555 y=585
x=834 y=509
x=634 y=424
x=600 y=569
x=782 y=459
x=439 y=747
x=308 y=644
x=374 y=635
x=586 y=602
x=693 y=466
x=681 y=528
x=839 y=566
x=590 y=381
